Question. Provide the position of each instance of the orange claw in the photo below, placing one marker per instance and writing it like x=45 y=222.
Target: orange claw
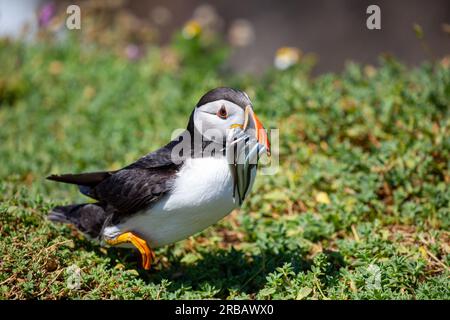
x=147 y=254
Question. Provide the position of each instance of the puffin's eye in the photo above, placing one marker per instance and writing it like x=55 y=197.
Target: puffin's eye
x=222 y=113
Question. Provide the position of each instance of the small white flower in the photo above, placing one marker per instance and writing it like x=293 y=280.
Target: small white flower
x=373 y=281
x=241 y=33
x=286 y=57
x=74 y=279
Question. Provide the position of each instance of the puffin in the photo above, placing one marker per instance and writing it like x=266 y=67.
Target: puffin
x=182 y=188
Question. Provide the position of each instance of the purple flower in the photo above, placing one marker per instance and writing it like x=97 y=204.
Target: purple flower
x=132 y=52
x=46 y=14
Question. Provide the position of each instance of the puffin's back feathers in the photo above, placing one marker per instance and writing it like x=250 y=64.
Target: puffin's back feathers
x=130 y=189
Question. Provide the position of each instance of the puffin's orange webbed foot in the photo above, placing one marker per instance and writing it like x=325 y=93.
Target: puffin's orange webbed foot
x=146 y=252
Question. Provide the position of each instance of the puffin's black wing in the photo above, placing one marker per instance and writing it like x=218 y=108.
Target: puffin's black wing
x=132 y=188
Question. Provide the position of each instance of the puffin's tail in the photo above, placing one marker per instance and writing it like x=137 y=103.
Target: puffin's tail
x=89 y=218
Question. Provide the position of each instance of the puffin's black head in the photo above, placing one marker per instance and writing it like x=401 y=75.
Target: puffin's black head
x=235 y=96
x=222 y=109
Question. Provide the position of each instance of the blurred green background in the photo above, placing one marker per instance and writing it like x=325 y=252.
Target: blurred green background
x=358 y=210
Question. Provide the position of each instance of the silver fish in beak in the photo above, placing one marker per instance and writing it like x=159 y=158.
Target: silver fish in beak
x=245 y=146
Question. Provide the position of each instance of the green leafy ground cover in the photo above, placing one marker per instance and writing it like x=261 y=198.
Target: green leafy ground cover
x=358 y=210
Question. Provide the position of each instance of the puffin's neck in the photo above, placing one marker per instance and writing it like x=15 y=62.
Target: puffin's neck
x=200 y=147
x=207 y=148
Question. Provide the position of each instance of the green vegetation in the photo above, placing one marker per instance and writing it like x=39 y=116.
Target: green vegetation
x=362 y=194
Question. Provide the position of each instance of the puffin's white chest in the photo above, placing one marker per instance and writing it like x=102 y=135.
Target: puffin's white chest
x=202 y=182
x=202 y=195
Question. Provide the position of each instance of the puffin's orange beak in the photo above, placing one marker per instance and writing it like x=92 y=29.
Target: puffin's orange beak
x=260 y=132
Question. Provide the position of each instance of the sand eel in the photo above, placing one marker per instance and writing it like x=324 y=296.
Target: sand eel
x=179 y=189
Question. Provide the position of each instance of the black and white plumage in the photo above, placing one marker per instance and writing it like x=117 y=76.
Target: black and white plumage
x=163 y=199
